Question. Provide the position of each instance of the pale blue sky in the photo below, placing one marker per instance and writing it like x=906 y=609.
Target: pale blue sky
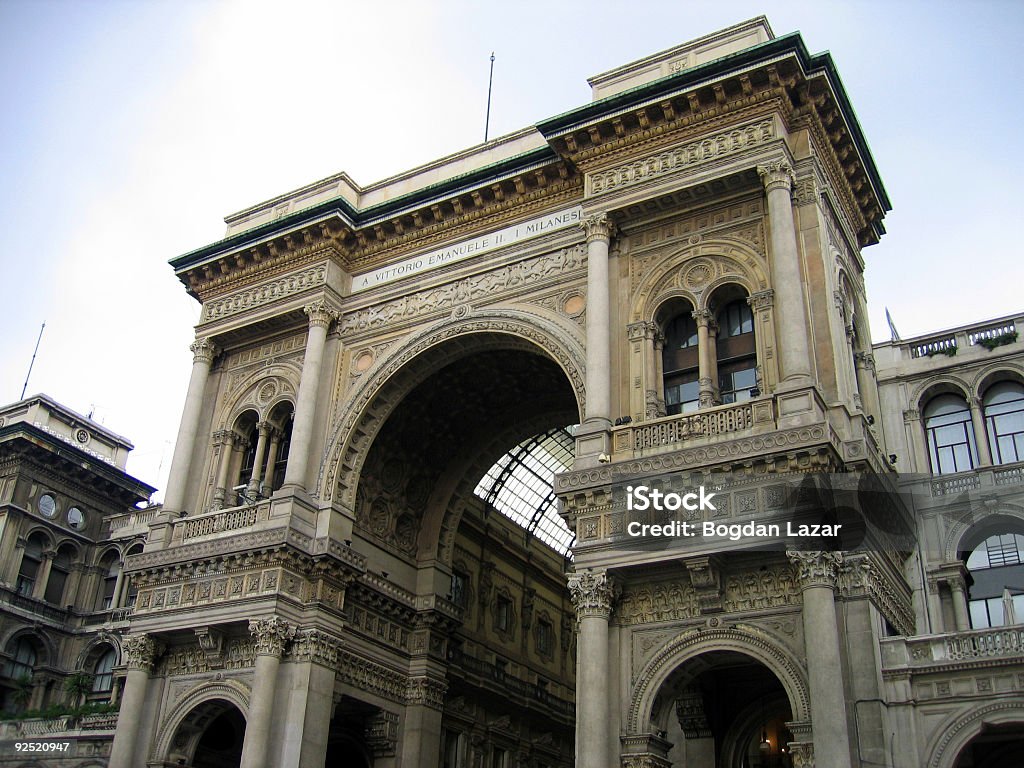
x=130 y=128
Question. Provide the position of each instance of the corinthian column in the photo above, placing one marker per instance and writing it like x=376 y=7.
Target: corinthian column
x=203 y=351
x=707 y=358
x=263 y=430
x=784 y=261
x=592 y=595
x=139 y=652
x=818 y=573
x=320 y=318
x=270 y=635
x=598 y=380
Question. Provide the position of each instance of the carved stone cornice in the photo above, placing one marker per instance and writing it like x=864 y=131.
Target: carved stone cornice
x=690 y=713
x=140 y=651
x=381 y=733
x=320 y=314
x=592 y=594
x=316 y=646
x=776 y=175
x=598 y=227
x=203 y=351
x=816 y=569
x=270 y=635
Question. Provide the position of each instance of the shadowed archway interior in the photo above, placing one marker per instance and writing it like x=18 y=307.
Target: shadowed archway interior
x=442 y=435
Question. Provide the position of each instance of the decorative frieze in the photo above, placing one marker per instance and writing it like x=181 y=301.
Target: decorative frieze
x=592 y=594
x=270 y=635
x=264 y=293
x=373 y=678
x=682 y=158
x=482 y=288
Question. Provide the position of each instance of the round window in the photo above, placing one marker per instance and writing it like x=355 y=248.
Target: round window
x=47 y=505
x=76 y=518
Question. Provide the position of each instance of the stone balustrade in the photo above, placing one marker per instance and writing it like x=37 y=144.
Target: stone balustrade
x=700 y=426
x=953 y=648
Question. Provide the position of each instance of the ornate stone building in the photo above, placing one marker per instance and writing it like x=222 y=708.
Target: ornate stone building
x=404 y=393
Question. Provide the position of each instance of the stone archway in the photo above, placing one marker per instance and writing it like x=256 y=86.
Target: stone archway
x=995 y=732
x=209 y=736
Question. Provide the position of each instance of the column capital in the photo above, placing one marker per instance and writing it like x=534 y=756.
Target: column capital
x=816 y=569
x=598 y=227
x=225 y=437
x=703 y=317
x=264 y=427
x=203 y=351
x=315 y=645
x=776 y=175
x=762 y=299
x=321 y=314
x=865 y=360
x=140 y=651
x=593 y=594
x=802 y=754
x=270 y=635
x=911 y=414
x=643 y=329
x=425 y=691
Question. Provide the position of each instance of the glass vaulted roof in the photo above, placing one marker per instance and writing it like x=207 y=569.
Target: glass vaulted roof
x=520 y=485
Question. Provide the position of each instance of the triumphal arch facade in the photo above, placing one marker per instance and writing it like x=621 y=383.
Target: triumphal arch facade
x=663 y=287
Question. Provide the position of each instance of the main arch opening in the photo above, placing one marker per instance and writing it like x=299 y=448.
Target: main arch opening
x=464 y=442
x=210 y=736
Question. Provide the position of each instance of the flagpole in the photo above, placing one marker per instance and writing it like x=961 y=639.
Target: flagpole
x=490 y=82
x=32 y=362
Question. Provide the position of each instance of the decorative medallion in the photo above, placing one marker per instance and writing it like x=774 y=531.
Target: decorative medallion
x=363 y=360
x=574 y=305
x=699 y=275
x=267 y=392
x=82 y=436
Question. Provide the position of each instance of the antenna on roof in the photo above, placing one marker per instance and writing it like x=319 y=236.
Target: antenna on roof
x=490 y=82
x=33 y=362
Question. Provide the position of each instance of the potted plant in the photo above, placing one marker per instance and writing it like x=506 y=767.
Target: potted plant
x=77 y=686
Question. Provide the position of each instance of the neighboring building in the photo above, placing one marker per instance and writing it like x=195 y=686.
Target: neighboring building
x=403 y=392
x=64 y=597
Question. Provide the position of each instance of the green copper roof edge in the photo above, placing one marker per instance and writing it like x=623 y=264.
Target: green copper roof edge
x=356 y=216
x=790 y=42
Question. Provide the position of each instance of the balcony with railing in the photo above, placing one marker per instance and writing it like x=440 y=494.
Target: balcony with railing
x=938 y=490
x=493 y=676
x=39 y=609
x=993 y=646
x=700 y=427
x=132 y=523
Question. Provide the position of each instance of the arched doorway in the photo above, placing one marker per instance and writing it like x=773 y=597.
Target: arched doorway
x=210 y=736
x=724 y=709
x=434 y=505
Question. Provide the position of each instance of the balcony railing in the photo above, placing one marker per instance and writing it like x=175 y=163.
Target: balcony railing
x=943 y=486
x=219 y=521
x=955 y=341
x=32 y=605
x=713 y=422
x=953 y=648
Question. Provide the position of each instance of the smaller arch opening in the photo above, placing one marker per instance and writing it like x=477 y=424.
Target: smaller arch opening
x=994 y=555
x=680 y=357
x=1003 y=407
x=735 y=345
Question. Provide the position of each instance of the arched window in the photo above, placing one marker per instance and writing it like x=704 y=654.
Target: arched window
x=737 y=354
x=947 y=423
x=997 y=567
x=23 y=660
x=680 y=360
x=111 y=566
x=60 y=569
x=1004 y=421
x=103 y=672
x=277 y=460
x=131 y=591
x=30 y=563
